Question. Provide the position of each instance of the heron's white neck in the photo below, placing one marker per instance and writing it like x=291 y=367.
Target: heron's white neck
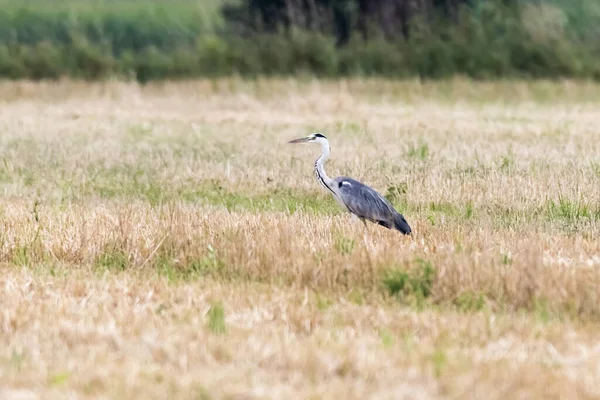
x=319 y=170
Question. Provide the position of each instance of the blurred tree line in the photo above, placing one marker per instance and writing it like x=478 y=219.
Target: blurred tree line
x=151 y=40
x=342 y=18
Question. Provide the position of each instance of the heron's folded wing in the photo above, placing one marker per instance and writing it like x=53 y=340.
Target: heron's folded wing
x=364 y=201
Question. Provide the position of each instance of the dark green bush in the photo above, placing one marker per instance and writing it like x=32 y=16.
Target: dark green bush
x=185 y=38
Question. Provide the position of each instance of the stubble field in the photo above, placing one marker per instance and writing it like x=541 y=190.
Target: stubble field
x=166 y=241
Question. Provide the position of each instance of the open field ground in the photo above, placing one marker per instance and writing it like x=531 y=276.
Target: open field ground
x=166 y=242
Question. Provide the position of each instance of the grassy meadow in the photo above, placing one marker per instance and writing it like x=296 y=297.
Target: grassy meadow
x=164 y=241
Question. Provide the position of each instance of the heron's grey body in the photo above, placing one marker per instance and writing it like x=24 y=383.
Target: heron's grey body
x=366 y=203
x=358 y=198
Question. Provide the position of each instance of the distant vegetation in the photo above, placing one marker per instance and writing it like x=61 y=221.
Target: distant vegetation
x=148 y=40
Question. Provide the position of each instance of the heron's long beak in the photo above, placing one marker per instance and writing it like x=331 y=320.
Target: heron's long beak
x=301 y=140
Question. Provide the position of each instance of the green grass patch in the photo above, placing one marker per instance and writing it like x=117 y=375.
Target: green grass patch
x=344 y=245
x=356 y=296
x=571 y=210
x=215 y=319
x=470 y=301
x=322 y=302
x=414 y=283
x=387 y=338
x=112 y=258
x=59 y=379
x=418 y=151
x=279 y=200
x=182 y=263
x=439 y=361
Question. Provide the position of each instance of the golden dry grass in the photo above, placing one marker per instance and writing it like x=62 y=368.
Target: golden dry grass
x=165 y=241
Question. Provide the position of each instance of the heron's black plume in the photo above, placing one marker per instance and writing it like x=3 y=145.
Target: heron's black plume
x=401 y=224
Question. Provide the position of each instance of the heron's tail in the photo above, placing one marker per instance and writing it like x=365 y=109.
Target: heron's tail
x=401 y=224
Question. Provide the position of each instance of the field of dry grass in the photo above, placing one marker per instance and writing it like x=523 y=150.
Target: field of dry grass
x=166 y=242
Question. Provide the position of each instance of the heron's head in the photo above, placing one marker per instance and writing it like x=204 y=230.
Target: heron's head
x=314 y=137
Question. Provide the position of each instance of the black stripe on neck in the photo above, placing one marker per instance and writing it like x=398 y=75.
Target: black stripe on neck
x=320 y=178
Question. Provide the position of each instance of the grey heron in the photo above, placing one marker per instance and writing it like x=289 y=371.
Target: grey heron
x=357 y=198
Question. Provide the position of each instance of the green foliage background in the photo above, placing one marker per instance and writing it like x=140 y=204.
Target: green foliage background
x=152 y=40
